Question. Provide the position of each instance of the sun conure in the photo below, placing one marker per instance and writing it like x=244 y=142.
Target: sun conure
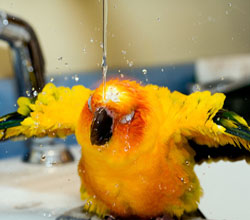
x=136 y=159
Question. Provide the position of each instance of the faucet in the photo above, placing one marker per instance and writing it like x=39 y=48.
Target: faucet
x=28 y=64
x=27 y=55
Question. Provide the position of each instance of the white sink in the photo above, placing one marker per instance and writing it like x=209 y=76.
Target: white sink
x=29 y=191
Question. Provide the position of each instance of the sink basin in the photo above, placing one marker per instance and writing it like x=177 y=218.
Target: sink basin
x=32 y=191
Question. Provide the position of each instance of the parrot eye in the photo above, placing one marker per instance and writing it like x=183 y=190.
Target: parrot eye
x=127 y=118
x=89 y=103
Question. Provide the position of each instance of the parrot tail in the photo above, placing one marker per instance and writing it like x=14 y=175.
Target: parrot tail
x=233 y=123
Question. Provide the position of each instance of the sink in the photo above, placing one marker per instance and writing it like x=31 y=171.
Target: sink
x=34 y=192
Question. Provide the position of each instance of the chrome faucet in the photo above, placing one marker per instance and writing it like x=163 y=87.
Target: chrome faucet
x=28 y=64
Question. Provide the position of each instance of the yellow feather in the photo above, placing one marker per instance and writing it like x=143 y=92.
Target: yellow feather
x=54 y=113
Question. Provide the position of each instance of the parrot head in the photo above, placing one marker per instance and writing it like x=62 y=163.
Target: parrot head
x=114 y=117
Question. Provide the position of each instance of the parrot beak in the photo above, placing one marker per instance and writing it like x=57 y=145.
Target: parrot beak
x=101 y=127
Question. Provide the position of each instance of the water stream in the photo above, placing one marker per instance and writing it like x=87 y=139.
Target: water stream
x=104 y=39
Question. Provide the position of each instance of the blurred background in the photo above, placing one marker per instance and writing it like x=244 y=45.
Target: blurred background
x=141 y=33
x=185 y=45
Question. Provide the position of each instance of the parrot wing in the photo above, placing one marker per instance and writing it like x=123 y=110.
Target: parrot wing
x=54 y=112
x=234 y=126
x=206 y=122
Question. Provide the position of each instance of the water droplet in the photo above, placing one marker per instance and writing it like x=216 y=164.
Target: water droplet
x=43 y=157
x=35 y=93
x=144 y=71
x=28 y=93
x=130 y=63
x=126 y=149
x=160 y=187
x=76 y=78
x=91 y=40
x=162 y=69
x=230 y=4
x=101 y=45
x=84 y=50
x=51 y=79
x=182 y=179
x=158 y=19
x=30 y=69
x=124 y=52
x=187 y=162
x=5 y=22
x=59 y=58
x=122 y=75
x=196 y=87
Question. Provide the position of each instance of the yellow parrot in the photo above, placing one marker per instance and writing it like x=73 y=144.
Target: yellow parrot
x=136 y=159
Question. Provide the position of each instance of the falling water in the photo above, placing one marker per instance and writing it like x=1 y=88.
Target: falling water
x=104 y=39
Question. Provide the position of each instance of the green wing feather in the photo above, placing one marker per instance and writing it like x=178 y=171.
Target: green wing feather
x=233 y=123
x=11 y=120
